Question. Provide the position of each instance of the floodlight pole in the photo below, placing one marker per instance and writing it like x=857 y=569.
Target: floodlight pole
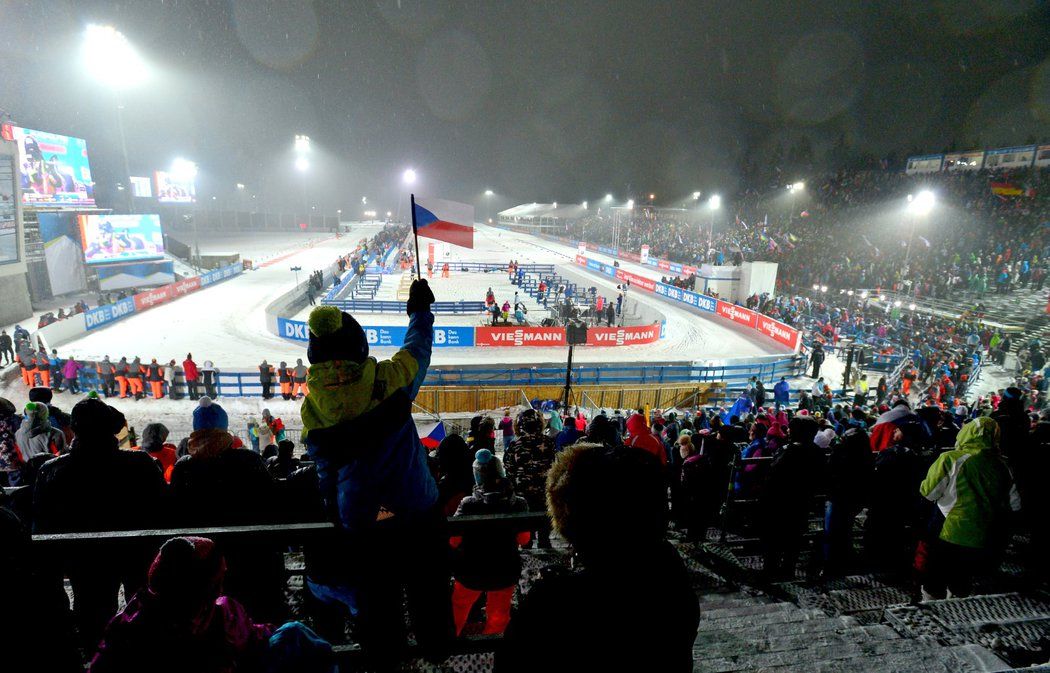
x=124 y=151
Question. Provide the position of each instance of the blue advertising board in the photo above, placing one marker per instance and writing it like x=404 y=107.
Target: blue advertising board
x=694 y=299
x=216 y=275
x=103 y=315
x=390 y=336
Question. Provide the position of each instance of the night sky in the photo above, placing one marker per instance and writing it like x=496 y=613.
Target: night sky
x=545 y=101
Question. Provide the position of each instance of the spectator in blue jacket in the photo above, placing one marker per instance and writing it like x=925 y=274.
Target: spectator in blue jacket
x=373 y=475
x=781 y=393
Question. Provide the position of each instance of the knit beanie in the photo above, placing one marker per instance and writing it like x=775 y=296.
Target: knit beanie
x=188 y=571
x=210 y=416
x=36 y=411
x=335 y=335
x=41 y=394
x=488 y=470
x=92 y=417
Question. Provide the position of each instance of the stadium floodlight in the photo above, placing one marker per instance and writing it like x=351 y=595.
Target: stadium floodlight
x=302 y=164
x=696 y=196
x=111 y=59
x=409 y=176
x=823 y=288
x=338 y=211
x=585 y=205
x=302 y=143
x=630 y=204
x=183 y=170
x=489 y=192
x=388 y=213
x=240 y=186
x=816 y=286
x=652 y=196
x=555 y=204
x=608 y=197
x=715 y=202
x=364 y=200
x=796 y=187
x=922 y=203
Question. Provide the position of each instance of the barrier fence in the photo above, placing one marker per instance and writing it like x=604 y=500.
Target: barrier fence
x=774 y=329
x=76 y=325
x=381 y=306
x=246 y=384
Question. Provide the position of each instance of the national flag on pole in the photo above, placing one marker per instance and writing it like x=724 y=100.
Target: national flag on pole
x=431 y=435
x=444 y=221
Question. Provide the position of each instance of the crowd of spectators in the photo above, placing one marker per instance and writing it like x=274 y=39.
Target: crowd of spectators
x=853 y=229
x=937 y=485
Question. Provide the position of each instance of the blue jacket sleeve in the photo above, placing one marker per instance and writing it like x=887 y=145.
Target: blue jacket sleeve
x=419 y=343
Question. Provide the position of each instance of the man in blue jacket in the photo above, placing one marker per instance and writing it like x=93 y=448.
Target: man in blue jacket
x=373 y=475
x=782 y=393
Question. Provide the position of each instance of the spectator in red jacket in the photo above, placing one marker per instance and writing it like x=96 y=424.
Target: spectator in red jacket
x=190 y=372
x=642 y=438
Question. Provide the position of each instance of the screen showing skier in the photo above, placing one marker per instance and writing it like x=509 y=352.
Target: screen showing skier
x=173 y=188
x=120 y=238
x=53 y=168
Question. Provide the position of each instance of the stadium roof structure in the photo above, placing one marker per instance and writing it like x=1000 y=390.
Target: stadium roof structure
x=529 y=211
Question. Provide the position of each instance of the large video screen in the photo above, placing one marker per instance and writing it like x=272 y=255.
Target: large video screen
x=53 y=168
x=173 y=189
x=120 y=238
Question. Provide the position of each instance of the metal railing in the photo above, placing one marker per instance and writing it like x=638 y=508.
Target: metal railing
x=246 y=384
x=389 y=306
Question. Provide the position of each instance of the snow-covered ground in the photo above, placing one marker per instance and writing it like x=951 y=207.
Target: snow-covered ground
x=226 y=323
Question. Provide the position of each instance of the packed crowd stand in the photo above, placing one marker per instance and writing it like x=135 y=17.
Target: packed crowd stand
x=857 y=225
x=941 y=492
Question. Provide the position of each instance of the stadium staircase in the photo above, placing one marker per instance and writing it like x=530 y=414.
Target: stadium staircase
x=367 y=286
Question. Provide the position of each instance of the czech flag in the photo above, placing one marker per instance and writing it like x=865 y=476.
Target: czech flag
x=444 y=220
x=431 y=435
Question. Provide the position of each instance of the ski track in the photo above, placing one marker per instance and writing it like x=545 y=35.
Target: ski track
x=227 y=323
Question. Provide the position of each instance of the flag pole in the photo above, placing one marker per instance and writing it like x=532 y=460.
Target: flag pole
x=415 y=235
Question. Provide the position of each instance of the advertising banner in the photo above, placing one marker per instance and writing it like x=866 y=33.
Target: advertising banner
x=172 y=188
x=184 y=287
x=647 y=284
x=152 y=297
x=103 y=315
x=392 y=336
x=778 y=331
x=54 y=169
x=644 y=257
x=216 y=275
x=452 y=337
x=120 y=238
x=519 y=336
x=700 y=301
x=623 y=336
x=736 y=313
x=581 y=248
